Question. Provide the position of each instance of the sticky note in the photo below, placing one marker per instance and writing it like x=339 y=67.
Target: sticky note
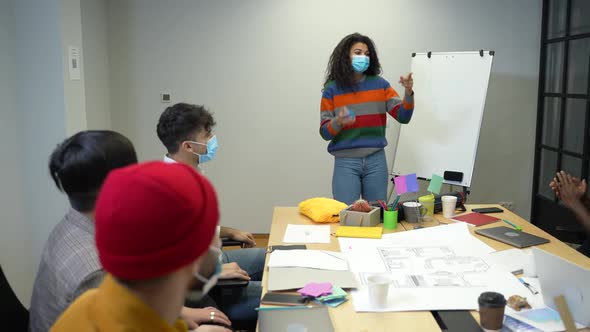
x=435 y=184
x=406 y=183
x=316 y=289
x=333 y=303
x=412 y=183
x=337 y=294
x=400 y=184
x=359 y=232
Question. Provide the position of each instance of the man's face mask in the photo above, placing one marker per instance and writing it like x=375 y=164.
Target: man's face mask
x=208 y=282
x=211 y=145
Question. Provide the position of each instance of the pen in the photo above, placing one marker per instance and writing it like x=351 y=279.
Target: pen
x=329 y=254
x=518 y=228
x=284 y=308
x=395 y=203
x=529 y=286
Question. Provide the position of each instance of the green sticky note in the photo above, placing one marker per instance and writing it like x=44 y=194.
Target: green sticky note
x=337 y=293
x=334 y=303
x=435 y=184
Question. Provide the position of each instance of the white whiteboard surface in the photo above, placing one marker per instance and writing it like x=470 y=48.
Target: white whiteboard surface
x=450 y=93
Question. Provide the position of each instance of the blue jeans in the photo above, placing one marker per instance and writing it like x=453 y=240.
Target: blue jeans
x=243 y=306
x=356 y=177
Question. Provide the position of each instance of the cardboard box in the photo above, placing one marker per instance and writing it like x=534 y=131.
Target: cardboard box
x=354 y=218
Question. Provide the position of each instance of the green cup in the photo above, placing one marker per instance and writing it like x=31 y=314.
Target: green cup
x=390 y=219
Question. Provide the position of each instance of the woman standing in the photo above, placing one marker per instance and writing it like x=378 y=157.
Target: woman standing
x=353 y=110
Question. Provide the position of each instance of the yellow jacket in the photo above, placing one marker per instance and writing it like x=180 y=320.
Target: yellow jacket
x=112 y=307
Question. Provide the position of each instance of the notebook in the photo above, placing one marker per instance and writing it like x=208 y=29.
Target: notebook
x=511 y=236
x=308 y=320
x=286 y=247
x=476 y=219
x=360 y=232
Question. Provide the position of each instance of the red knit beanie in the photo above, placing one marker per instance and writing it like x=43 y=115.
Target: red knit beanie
x=154 y=218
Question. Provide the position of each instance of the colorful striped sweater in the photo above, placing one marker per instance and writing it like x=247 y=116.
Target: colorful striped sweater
x=370 y=101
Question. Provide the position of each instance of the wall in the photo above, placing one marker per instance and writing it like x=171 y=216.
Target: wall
x=96 y=63
x=259 y=67
x=41 y=106
x=74 y=90
x=15 y=239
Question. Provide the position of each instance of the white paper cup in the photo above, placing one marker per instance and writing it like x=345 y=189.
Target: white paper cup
x=378 y=290
x=449 y=204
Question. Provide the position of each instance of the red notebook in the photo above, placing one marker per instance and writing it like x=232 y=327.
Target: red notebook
x=476 y=219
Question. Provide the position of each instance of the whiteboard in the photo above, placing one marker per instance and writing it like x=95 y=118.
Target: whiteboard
x=450 y=93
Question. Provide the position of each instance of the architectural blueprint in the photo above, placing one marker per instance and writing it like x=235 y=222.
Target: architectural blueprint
x=431 y=269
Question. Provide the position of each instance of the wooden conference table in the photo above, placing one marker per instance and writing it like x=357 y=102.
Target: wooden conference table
x=344 y=318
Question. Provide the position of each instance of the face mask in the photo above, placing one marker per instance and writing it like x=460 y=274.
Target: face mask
x=211 y=150
x=208 y=283
x=360 y=63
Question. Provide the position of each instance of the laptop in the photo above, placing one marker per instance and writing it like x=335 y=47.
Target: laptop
x=560 y=277
x=511 y=236
x=295 y=320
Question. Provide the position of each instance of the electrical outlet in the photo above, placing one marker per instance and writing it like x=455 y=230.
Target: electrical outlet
x=507 y=205
x=165 y=97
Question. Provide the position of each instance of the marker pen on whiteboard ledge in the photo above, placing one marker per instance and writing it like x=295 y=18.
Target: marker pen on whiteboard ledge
x=518 y=228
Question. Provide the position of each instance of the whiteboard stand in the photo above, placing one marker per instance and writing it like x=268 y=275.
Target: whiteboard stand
x=444 y=131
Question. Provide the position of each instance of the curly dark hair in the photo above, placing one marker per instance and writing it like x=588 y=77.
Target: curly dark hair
x=339 y=66
x=179 y=122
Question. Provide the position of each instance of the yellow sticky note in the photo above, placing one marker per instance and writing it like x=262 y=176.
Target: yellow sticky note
x=361 y=232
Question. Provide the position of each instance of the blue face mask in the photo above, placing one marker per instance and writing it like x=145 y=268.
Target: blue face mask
x=211 y=150
x=360 y=63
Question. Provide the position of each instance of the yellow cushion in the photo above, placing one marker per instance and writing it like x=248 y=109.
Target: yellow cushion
x=321 y=209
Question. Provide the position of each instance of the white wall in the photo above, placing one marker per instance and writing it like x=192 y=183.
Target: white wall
x=74 y=91
x=41 y=106
x=96 y=63
x=259 y=65
x=15 y=239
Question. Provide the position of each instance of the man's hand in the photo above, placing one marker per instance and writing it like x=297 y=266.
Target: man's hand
x=197 y=316
x=568 y=188
x=233 y=271
x=245 y=237
x=554 y=184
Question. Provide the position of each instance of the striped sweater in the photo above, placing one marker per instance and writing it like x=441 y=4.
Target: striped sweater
x=370 y=101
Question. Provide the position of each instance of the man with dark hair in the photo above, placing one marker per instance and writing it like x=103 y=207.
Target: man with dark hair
x=186 y=131
x=69 y=262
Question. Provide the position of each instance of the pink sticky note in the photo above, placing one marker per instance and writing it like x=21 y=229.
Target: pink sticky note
x=400 y=185
x=316 y=289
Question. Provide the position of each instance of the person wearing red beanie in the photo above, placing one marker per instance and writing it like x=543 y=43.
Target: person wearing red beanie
x=156 y=237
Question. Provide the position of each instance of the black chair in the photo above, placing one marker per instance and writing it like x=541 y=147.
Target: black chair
x=577 y=232
x=227 y=290
x=15 y=317
x=227 y=242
